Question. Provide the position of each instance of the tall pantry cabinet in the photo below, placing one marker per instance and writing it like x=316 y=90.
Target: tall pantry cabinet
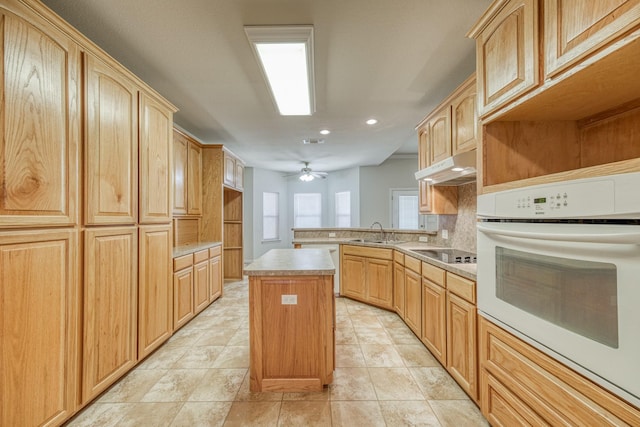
x=85 y=251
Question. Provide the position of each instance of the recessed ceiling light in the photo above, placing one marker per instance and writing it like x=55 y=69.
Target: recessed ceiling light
x=457 y=169
x=285 y=54
x=372 y=121
x=325 y=131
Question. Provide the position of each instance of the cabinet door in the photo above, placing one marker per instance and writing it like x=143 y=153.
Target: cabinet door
x=111 y=157
x=353 y=276
x=398 y=289
x=239 y=175
x=229 y=170
x=461 y=343
x=424 y=197
x=39 y=137
x=194 y=180
x=440 y=135
x=155 y=289
x=434 y=322
x=573 y=29
x=39 y=331
x=183 y=309
x=424 y=156
x=201 y=276
x=180 y=155
x=215 y=280
x=110 y=307
x=464 y=119
x=155 y=161
x=379 y=281
x=413 y=301
x=507 y=55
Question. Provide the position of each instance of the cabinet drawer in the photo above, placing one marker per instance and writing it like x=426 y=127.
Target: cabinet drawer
x=462 y=287
x=213 y=252
x=398 y=257
x=182 y=262
x=412 y=264
x=200 y=256
x=433 y=273
x=368 y=252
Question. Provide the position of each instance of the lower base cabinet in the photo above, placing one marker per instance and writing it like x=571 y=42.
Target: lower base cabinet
x=398 y=283
x=413 y=295
x=434 y=312
x=366 y=274
x=39 y=330
x=201 y=277
x=183 y=309
x=110 y=307
x=520 y=385
x=215 y=273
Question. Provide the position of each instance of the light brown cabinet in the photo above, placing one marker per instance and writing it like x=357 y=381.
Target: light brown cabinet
x=233 y=171
x=398 y=283
x=434 y=311
x=413 y=294
x=440 y=134
x=366 y=274
x=38 y=152
x=111 y=154
x=39 y=331
x=156 y=122
x=520 y=383
x=215 y=273
x=461 y=333
x=110 y=307
x=187 y=175
x=183 y=308
x=201 y=277
x=506 y=53
x=155 y=288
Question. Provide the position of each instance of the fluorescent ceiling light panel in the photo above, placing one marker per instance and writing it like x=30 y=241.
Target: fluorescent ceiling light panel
x=285 y=54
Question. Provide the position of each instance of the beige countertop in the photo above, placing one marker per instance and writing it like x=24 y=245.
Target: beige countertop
x=465 y=270
x=292 y=262
x=179 y=251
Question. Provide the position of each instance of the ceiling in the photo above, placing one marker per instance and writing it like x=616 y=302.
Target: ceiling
x=393 y=60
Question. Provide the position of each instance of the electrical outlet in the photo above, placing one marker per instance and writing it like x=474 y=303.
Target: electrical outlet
x=289 y=299
x=332 y=234
x=423 y=239
x=445 y=234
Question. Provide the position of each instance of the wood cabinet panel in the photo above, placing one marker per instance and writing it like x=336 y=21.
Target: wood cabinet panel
x=507 y=54
x=39 y=331
x=413 y=301
x=440 y=135
x=180 y=156
x=574 y=28
x=398 y=289
x=111 y=157
x=229 y=170
x=110 y=307
x=434 y=319
x=40 y=109
x=239 y=175
x=201 y=277
x=183 y=309
x=424 y=157
x=353 y=276
x=461 y=343
x=380 y=282
x=155 y=288
x=464 y=119
x=194 y=179
x=215 y=278
x=156 y=148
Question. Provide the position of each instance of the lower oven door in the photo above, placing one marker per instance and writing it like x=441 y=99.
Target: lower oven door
x=572 y=290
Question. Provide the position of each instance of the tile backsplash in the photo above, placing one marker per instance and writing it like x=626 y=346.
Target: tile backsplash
x=461 y=227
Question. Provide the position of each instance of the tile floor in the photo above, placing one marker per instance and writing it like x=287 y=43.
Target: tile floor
x=384 y=377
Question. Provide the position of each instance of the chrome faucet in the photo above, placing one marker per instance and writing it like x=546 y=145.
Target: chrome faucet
x=381 y=230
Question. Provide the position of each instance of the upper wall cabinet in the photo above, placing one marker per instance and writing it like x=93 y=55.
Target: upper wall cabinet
x=506 y=53
x=440 y=134
x=156 y=122
x=187 y=175
x=233 y=171
x=112 y=145
x=573 y=29
x=38 y=152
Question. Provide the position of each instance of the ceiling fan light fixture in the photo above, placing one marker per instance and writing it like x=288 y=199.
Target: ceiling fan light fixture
x=285 y=54
x=306 y=177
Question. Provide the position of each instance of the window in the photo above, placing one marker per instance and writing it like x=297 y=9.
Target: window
x=307 y=210
x=405 y=209
x=270 y=216
x=343 y=209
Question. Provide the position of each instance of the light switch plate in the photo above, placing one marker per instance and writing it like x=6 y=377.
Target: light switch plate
x=445 y=234
x=289 y=299
x=423 y=239
x=332 y=234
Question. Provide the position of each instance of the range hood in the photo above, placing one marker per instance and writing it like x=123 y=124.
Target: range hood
x=455 y=170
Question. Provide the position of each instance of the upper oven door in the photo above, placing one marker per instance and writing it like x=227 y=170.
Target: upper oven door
x=573 y=288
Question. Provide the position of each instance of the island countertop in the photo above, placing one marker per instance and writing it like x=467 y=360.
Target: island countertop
x=292 y=262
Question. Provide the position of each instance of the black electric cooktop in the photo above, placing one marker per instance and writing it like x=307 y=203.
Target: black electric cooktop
x=449 y=256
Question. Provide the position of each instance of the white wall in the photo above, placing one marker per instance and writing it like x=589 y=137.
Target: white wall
x=376 y=183
x=258 y=181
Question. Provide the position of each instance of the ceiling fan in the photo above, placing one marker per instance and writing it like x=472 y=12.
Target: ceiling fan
x=306 y=174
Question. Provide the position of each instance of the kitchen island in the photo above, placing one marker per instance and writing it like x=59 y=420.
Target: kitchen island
x=291 y=320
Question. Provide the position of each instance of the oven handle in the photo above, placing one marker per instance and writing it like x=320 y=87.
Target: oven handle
x=633 y=238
